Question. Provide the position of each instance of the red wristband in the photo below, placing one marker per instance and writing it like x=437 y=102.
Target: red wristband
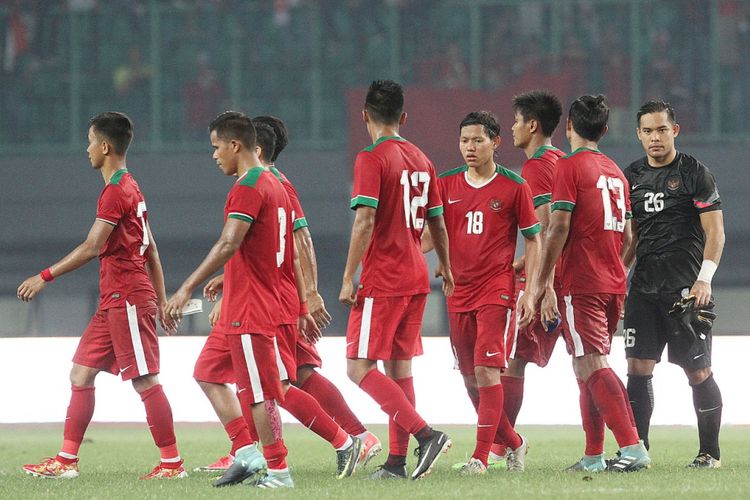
x=47 y=275
x=303 y=308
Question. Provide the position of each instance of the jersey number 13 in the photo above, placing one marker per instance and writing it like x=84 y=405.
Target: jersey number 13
x=612 y=189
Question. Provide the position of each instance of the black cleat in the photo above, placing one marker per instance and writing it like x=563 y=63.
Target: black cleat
x=428 y=453
x=704 y=461
x=346 y=459
x=385 y=472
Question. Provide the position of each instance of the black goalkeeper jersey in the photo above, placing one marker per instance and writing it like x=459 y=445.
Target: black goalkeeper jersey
x=666 y=204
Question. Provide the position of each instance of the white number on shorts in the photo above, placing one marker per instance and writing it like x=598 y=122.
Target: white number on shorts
x=412 y=205
x=629 y=334
x=612 y=186
x=141 y=214
x=475 y=224
x=282 y=237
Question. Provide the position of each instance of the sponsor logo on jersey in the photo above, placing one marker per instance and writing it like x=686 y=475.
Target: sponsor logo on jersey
x=673 y=183
x=495 y=205
x=236 y=323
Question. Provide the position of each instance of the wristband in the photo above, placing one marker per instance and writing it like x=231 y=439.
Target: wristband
x=46 y=275
x=303 y=308
x=708 y=268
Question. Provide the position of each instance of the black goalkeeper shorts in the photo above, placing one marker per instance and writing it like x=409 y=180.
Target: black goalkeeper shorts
x=648 y=328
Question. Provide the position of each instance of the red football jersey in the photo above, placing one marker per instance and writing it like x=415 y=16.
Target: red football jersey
x=483 y=223
x=251 y=277
x=538 y=171
x=288 y=286
x=396 y=178
x=299 y=215
x=592 y=187
x=122 y=259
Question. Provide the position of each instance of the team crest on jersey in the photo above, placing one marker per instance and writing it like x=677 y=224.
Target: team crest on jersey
x=673 y=183
x=495 y=205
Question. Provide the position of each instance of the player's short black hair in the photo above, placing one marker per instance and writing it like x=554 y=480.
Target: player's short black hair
x=233 y=125
x=487 y=120
x=266 y=139
x=385 y=101
x=589 y=115
x=116 y=128
x=655 y=106
x=541 y=106
x=279 y=129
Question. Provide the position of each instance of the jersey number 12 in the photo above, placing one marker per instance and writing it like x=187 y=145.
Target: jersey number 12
x=412 y=205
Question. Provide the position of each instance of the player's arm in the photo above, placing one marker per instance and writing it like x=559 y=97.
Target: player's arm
x=309 y=265
x=364 y=223
x=439 y=237
x=629 y=243
x=713 y=226
x=427 y=245
x=306 y=324
x=542 y=215
x=230 y=240
x=532 y=254
x=80 y=256
x=156 y=275
x=554 y=241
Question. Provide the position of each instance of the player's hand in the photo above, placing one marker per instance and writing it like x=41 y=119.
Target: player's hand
x=526 y=309
x=213 y=288
x=30 y=288
x=167 y=323
x=702 y=292
x=308 y=328
x=548 y=311
x=447 y=275
x=348 y=294
x=175 y=304
x=213 y=316
x=318 y=310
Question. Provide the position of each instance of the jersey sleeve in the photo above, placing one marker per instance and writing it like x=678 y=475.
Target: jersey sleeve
x=704 y=191
x=366 y=191
x=527 y=221
x=299 y=215
x=434 y=197
x=244 y=203
x=564 y=190
x=539 y=180
x=112 y=205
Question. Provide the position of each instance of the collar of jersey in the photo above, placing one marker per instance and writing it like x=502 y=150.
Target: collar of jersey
x=480 y=186
x=541 y=149
x=248 y=171
x=388 y=137
x=579 y=150
x=118 y=175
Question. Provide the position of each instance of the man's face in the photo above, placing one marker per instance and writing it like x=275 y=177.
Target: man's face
x=95 y=150
x=476 y=146
x=521 y=130
x=657 y=134
x=224 y=154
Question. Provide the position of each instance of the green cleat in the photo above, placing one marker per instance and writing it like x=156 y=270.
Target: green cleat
x=631 y=458
x=589 y=463
x=275 y=479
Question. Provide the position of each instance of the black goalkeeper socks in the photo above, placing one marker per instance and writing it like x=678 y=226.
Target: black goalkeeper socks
x=707 y=403
x=641 y=395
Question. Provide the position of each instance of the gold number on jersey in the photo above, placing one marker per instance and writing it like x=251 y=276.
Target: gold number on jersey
x=412 y=205
x=612 y=189
x=475 y=223
x=140 y=213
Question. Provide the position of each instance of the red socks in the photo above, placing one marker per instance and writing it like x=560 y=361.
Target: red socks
x=614 y=407
x=247 y=413
x=593 y=424
x=490 y=409
x=333 y=403
x=159 y=418
x=308 y=411
x=513 y=397
x=275 y=455
x=238 y=434
x=80 y=411
x=399 y=438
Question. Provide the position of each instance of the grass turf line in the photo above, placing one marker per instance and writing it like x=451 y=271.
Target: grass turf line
x=114 y=455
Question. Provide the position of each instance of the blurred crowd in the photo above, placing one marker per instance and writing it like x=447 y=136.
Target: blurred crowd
x=267 y=50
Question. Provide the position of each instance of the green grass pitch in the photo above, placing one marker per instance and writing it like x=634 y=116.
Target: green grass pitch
x=113 y=457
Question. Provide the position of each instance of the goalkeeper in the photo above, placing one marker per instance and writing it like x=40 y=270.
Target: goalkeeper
x=678 y=238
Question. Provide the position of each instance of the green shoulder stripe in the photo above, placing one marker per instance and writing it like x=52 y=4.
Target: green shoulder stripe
x=543 y=149
x=580 y=150
x=382 y=140
x=117 y=176
x=454 y=171
x=299 y=223
x=367 y=201
x=567 y=206
x=542 y=199
x=531 y=231
x=275 y=171
x=509 y=174
x=251 y=177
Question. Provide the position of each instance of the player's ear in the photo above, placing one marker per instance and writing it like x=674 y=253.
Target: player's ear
x=106 y=149
x=533 y=125
x=496 y=142
x=235 y=145
x=676 y=128
x=365 y=116
x=402 y=118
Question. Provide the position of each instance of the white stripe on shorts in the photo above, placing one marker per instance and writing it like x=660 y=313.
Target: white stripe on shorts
x=364 y=329
x=515 y=327
x=283 y=375
x=569 y=316
x=252 y=367
x=135 y=337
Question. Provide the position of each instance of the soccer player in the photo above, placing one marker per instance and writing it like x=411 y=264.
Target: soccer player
x=394 y=195
x=245 y=337
x=590 y=204
x=678 y=240
x=487 y=204
x=537 y=114
x=121 y=337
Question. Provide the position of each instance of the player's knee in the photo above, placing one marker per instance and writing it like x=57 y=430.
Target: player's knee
x=82 y=376
x=516 y=368
x=144 y=383
x=303 y=373
x=487 y=376
x=698 y=376
x=641 y=367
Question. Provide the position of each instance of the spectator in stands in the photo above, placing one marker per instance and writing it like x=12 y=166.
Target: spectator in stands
x=204 y=97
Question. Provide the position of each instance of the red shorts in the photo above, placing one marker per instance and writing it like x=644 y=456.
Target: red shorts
x=590 y=321
x=533 y=343
x=286 y=340
x=385 y=328
x=307 y=354
x=478 y=337
x=249 y=360
x=121 y=340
